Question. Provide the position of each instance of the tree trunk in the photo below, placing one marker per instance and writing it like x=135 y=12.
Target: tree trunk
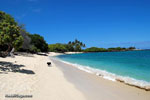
x=8 y=50
x=11 y=52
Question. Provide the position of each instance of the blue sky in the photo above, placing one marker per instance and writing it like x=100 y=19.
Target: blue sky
x=102 y=23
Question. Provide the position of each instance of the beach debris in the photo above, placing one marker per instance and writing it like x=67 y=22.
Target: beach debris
x=120 y=80
x=48 y=63
x=42 y=54
x=100 y=75
x=147 y=88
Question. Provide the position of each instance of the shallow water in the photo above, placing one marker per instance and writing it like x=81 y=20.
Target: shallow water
x=131 y=66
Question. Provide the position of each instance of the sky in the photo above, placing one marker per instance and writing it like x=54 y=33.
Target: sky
x=101 y=23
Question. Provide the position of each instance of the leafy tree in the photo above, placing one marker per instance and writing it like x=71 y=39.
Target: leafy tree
x=34 y=49
x=117 y=49
x=77 y=45
x=57 y=48
x=95 y=49
x=69 y=47
x=7 y=18
x=9 y=35
x=131 y=48
x=9 y=32
x=38 y=43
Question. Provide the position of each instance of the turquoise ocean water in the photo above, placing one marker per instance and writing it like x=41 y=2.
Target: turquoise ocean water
x=131 y=66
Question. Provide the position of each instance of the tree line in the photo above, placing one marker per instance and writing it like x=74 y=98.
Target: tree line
x=96 y=49
x=14 y=37
x=71 y=46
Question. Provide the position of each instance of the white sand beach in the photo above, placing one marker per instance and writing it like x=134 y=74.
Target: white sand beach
x=45 y=83
x=59 y=81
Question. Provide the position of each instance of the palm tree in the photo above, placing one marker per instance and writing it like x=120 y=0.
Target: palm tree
x=73 y=43
x=83 y=45
x=69 y=42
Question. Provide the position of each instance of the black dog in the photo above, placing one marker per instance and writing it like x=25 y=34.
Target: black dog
x=48 y=63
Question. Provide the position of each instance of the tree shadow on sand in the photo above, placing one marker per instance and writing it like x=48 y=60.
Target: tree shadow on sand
x=6 y=67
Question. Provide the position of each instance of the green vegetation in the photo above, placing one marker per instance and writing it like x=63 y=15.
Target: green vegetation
x=57 y=47
x=32 y=42
x=74 y=46
x=7 y=18
x=38 y=43
x=10 y=36
x=95 y=49
x=15 y=37
x=131 y=48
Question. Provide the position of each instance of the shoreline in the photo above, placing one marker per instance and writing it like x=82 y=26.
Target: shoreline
x=110 y=76
x=59 y=81
x=51 y=54
x=94 y=87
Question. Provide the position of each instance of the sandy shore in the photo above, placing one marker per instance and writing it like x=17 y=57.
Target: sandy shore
x=35 y=78
x=31 y=76
x=56 y=54
x=96 y=88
